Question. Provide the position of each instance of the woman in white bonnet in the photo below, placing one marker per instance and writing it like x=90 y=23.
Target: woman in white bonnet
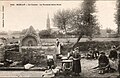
x=76 y=57
x=50 y=61
x=58 y=46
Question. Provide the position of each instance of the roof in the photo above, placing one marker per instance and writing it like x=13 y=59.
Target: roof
x=31 y=31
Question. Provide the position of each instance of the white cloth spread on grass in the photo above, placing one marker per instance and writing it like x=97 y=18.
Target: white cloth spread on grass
x=114 y=64
x=28 y=66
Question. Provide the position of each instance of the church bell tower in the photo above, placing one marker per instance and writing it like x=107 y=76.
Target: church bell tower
x=48 y=22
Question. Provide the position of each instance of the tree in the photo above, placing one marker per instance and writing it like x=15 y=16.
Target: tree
x=81 y=22
x=108 y=30
x=85 y=22
x=3 y=33
x=57 y=34
x=62 y=18
x=16 y=33
x=117 y=16
x=23 y=31
x=45 y=34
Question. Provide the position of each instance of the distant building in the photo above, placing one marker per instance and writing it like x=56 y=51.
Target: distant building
x=48 y=22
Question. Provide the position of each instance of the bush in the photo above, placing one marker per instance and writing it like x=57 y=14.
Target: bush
x=33 y=56
x=84 y=46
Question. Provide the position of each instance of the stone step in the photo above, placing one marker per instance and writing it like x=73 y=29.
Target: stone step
x=22 y=68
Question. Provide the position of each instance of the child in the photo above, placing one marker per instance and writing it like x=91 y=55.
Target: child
x=50 y=62
x=90 y=54
x=103 y=63
x=113 y=53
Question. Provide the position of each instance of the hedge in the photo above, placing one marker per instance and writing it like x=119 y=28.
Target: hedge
x=84 y=46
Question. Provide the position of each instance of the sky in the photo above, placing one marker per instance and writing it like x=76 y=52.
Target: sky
x=34 y=13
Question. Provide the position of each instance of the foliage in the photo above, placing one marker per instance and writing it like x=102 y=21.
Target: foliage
x=45 y=34
x=16 y=33
x=57 y=34
x=108 y=30
x=84 y=21
x=101 y=46
x=89 y=25
x=24 y=31
x=33 y=56
x=3 y=33
x=80 y=21
x=62 y=19
x=117 y=16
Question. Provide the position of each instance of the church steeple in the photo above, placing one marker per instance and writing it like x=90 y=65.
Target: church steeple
x=48 y=22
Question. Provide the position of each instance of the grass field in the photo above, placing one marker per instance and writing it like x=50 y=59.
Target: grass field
x=87 y=65
x=52 y=40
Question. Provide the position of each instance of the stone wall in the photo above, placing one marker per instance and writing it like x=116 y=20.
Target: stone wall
x=13 y=55
x=2 y=52
x=33 y=56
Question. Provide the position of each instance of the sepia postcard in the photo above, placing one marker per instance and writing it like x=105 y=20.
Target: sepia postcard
x=41 y=38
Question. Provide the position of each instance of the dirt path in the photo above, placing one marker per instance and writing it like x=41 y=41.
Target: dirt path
x=21 y=74
x=88 y=71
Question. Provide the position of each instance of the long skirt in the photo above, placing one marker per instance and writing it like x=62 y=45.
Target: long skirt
x=102 y=66
x=76 y=66
x=119 y=66
x=58 y=49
